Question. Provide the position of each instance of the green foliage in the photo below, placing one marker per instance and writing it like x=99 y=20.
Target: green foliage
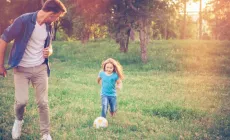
x=13 y=8
x=83 y=16
x=119 y=17
x=218 y=17
x=61 y=35
x=116 y=17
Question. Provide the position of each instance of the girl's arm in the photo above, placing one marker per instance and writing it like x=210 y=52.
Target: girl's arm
x=119 y=84
x=99 y=80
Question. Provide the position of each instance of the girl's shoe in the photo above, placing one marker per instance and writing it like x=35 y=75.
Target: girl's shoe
x=112 y=114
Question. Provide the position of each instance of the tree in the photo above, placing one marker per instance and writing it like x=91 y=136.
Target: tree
x=138 y=15
x=19 y=7
x=217 y=14
x=200 y=21
x=184 y=23
x=83 y=16
x=121 y=17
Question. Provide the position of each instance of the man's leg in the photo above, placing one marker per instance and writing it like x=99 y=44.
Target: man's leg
x=40 y=83
x=21 y=82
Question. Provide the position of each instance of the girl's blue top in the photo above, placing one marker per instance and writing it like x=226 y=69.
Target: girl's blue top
x=108 y=83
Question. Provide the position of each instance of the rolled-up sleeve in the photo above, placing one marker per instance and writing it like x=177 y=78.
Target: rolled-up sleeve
x=100 y=74
x=13 y=30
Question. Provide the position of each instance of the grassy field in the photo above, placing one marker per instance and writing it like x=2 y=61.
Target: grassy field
x=183 y=92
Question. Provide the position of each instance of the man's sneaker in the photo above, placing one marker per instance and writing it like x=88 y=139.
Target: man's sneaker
x=17 y=128
x=46 y=137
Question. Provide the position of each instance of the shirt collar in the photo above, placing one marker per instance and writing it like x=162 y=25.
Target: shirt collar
x=34 y=17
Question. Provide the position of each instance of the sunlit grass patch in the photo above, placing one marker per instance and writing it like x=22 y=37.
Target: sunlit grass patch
x=181 y=93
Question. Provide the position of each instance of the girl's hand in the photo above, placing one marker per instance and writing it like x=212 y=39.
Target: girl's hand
x=119 y=84
x=99 y=80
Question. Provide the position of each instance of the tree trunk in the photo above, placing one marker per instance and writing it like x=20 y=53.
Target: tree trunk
x=143 y=40
x=216 y=24
x=184 y=22
x=166 y=31
x=85 y=37
x=200 y=24
x=122 y=45
x=132 y=35
x=124 y=41
x=55 y=29
x=42 y=2
x=127 y=40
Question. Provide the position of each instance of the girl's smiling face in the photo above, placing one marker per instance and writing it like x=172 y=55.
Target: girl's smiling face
x=109 y=68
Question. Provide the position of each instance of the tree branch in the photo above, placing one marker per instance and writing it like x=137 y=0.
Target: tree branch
x=132 y=6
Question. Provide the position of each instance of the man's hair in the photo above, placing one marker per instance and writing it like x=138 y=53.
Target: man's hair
x=55 y=6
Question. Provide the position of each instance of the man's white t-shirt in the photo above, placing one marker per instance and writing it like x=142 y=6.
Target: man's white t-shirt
x=33 y=55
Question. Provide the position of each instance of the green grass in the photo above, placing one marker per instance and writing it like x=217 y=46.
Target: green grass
x=181 y=93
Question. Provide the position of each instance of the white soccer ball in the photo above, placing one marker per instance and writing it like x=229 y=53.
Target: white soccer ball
x=100 y=122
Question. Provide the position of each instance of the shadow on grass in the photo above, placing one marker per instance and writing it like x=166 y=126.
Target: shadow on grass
x=221 y=126
x=173 y=112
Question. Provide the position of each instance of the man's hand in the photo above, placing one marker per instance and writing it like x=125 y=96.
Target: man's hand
x=3 y=71
x=47 y=52
x=3 y=45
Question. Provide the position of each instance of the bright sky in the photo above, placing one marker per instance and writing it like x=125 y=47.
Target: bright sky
x=195 y=6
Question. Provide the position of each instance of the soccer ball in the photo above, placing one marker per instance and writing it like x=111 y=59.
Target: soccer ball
x=100 y=122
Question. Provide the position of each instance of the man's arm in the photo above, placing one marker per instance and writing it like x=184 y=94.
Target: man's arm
x=13 y=31
x=3 y=45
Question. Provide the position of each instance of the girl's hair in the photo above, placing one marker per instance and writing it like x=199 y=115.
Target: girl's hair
x=55 y=6
x=117 y=67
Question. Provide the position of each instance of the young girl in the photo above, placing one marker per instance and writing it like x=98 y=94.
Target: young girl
x=110 y=78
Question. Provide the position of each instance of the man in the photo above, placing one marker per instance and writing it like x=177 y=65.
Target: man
x=32 y=37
